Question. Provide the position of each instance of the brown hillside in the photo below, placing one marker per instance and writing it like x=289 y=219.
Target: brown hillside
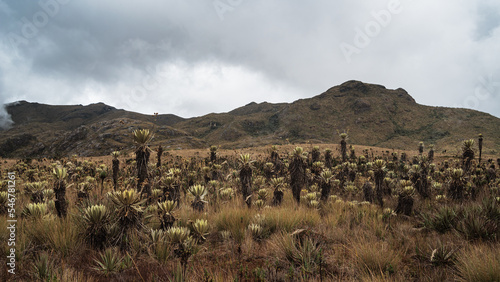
x=372 y=115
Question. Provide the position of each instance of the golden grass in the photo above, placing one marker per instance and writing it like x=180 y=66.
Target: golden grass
x=479 y=263
x=341 y=241
x=288 y=219
x=376 y=258
x=234 y=220
x=60 y=235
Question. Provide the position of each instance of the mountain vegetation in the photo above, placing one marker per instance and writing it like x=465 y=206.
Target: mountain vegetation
x=371 y=114
x=209 y=216
x=330 y=209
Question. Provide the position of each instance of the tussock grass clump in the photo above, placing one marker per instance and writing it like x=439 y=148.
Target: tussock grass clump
x=443 y=254
x=234 y=220
x=108 y=262
x=61 y=236
x=288 y=219
x=444 y=220
x=473 y=221
x=479 y=263
x=303 y=253
x=43 y=268
x=475 y=226
x=339 y=214
x=376 y=258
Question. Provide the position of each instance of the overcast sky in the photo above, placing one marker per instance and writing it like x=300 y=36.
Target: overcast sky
x=193 y=57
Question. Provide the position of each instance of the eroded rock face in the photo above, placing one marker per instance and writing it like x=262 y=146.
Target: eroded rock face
x=361 y=106
x=253 y=127
x=79 y=134
x=315 y=106
x=15 y=143
x=403 y=94
x=353 y=85
x=68 y=141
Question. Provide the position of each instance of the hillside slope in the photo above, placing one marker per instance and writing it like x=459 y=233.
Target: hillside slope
x=372 y=115
x=96 y=129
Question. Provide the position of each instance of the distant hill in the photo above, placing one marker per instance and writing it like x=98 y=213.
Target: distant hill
x=96 y=129
x=372 y=115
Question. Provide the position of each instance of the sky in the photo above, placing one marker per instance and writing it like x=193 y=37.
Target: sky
x=194 y=57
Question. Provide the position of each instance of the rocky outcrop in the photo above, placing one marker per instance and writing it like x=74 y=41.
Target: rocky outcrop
x=9 y=146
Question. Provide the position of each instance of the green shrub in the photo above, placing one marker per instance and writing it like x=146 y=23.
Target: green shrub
x=444 y=220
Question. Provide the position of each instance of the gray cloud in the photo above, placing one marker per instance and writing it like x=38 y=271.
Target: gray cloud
x=5 y=119
x=185 y=58
x=488 y=19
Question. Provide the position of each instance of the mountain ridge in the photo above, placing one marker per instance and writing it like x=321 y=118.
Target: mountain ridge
x=372 y=114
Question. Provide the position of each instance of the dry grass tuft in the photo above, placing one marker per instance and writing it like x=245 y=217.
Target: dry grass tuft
x=479 y=263
x=376 y=258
